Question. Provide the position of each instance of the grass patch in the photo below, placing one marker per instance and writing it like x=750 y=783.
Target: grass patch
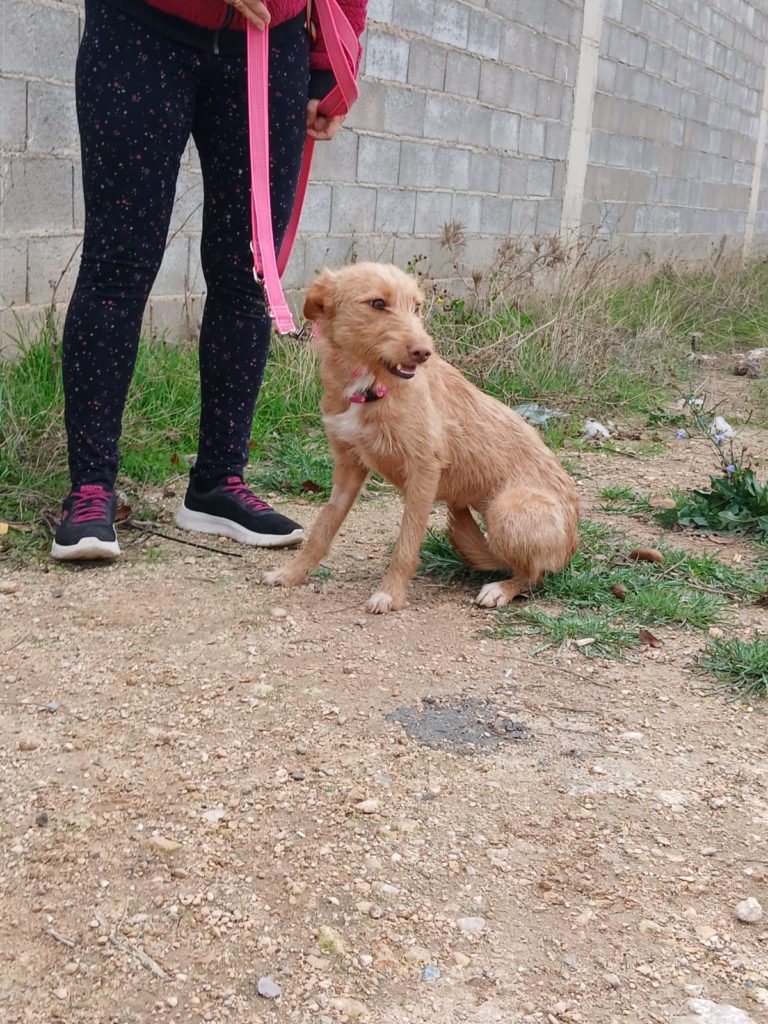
x=740 y=666
x=674 y=603
x=594 y=635
x=605 y=596
x=441 y=562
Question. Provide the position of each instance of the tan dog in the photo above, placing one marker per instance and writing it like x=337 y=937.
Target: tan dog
x=392 y=406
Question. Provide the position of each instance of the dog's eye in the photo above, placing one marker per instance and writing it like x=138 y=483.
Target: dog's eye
x=377 y=304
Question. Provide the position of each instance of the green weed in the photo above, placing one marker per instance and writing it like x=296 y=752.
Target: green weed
x=740 y=666
x=594 y=635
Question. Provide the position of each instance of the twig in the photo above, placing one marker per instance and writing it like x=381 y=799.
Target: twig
x=22 y=638
x=190 y=543
x=126 y=946
x=619 y=451
x=59 y=938
x=561 y=668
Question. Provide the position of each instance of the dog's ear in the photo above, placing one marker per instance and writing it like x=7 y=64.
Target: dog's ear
x=317 y=301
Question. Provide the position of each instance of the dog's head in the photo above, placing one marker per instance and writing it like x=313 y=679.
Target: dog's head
x=369 y=314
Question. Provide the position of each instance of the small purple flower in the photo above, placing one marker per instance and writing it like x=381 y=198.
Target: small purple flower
x=681 y=435
x=730 y=469
x=719 y=438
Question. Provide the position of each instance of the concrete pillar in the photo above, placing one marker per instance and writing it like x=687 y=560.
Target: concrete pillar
x=757 y=168
x=581 y=125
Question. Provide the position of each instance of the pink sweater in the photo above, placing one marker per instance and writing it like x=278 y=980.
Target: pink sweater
x=215 y=14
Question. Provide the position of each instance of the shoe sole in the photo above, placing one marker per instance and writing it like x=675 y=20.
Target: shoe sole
x=202 y=522
x=86 y=548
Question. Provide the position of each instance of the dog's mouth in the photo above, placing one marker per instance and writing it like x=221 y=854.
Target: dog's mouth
x=403 y=370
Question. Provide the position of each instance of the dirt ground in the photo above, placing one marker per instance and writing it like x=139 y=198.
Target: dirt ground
x=225 y=803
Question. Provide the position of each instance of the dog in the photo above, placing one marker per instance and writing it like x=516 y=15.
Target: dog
x=392 y=406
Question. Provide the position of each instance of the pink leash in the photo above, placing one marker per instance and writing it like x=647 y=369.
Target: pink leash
x=343 y=50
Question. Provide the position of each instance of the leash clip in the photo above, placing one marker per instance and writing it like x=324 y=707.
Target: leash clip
x=304 y=333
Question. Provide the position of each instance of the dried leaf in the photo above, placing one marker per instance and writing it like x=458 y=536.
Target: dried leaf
x=647 y=555
x=310 y=487
x=762 y=601
x=585 y=641
x=662 y=501
x=3 y=528
x=175 y=459
x=645 y=636
x=161 y=844
x=620 y=591
x=123 y=513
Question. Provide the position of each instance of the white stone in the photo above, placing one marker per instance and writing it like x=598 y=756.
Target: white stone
x=472 y=925
x=749 y=911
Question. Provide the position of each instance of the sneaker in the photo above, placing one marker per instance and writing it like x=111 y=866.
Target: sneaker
x=87 y=527
x=231 y=509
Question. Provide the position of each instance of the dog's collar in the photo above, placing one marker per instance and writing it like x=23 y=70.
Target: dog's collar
x=371 y=394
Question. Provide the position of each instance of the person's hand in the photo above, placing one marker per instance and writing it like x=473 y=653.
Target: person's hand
x=252 y=10
x=320 y=127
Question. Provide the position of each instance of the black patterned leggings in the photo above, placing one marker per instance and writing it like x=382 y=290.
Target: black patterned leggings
x=139 y=97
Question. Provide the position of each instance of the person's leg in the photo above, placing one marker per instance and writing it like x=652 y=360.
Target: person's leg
x=235 y=333
x=236 y=328
x=135 y=103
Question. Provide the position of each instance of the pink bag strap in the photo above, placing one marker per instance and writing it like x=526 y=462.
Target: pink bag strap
x=344 y=53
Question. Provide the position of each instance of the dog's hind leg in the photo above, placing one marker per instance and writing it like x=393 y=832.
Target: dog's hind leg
x=532 y=532
x=419 y=494
x=470 y=541
x=349 y=476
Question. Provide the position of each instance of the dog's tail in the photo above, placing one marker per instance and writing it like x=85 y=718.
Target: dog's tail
x=469 y=540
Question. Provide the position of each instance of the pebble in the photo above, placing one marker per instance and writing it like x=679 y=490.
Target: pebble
x=674 y=798
x=6 y=587
x=749 y=911
x=28 y=744
x=298 y=775
x=430 y=973
x=61 y=993
x=612 y=980
x=329 y=940
x=707 y=1012
x=41 y=819
x=268 y=989
x=278 y=613
x=417 y=954
x=471 y=925
x=161 y=844
x=352 y=1008
x=367 y=806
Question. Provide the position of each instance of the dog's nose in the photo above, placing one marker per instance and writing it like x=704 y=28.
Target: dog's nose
x=420 y=353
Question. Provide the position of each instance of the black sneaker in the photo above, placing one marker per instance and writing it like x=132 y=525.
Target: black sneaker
x=231 y=509
x=87 y=527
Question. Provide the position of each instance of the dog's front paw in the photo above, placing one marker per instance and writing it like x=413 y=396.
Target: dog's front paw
x=281 y=578
x=380 y=603
x=492 y=596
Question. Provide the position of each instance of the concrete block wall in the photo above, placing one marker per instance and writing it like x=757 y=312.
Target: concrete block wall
x=675 y=122
x=643 y=120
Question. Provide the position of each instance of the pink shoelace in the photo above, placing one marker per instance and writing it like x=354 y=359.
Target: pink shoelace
x=240 y=490
x=91 y=504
